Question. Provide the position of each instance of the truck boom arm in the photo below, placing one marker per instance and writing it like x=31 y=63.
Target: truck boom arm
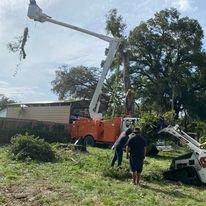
x=35 y=13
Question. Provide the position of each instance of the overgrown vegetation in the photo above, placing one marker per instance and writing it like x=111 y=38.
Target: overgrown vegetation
x=150 y=123
x=29 y=147
x=78 y=180
x=199 y=127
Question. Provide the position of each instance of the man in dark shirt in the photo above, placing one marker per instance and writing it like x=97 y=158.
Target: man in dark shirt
x=136 y=146
x=119 y=146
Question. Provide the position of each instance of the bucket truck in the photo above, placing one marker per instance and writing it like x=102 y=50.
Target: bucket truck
x=93 y=129
x=189 y=168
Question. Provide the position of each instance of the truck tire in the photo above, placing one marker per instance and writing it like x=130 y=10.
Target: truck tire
x=89 y=141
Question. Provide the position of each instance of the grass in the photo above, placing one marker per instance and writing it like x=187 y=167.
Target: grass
x=82 y=179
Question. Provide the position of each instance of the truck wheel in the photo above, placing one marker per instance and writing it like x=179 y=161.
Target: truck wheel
x=89 y=141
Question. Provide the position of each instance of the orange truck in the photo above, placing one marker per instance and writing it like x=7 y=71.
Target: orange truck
x=100 y=131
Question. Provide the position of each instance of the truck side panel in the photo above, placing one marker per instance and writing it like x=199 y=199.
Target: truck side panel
x=84 y=127
x=112 y=129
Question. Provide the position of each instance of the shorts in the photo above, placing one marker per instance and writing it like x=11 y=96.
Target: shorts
x=136 y=164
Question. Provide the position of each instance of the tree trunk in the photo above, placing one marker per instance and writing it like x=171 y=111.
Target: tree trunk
x=129 y=94
x=173 y=99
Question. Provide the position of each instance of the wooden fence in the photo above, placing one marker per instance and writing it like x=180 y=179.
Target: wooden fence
x=50 y=131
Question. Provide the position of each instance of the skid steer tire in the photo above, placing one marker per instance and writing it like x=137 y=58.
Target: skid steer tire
x=187 y=175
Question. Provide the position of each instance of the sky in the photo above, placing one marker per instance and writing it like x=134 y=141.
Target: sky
x=50 y=46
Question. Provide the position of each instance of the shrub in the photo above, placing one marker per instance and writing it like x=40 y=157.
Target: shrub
x=26 y=146
x=148 y=125
x=169 y=117
x=198 y=127
x=202 y=139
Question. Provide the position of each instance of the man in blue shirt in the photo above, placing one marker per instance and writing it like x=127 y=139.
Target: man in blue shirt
x=119 y=146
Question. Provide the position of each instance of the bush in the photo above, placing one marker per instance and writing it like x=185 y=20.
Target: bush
x=202 y=139
x=169 y=117
x=148 y=125
x=24 y=147
x=199 y=127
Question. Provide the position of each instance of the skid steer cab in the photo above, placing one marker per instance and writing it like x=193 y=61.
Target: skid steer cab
x=189 y=168
x=90 y=131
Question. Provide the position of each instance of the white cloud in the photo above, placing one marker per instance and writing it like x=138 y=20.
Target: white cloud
x=3 y=83
x=9 y=91
x=19 y=3
x=184 y=5
x=21 y=93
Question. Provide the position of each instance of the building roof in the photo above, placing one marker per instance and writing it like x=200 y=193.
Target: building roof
x=60 y=102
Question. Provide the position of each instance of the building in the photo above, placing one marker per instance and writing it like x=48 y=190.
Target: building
x=56 y=111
